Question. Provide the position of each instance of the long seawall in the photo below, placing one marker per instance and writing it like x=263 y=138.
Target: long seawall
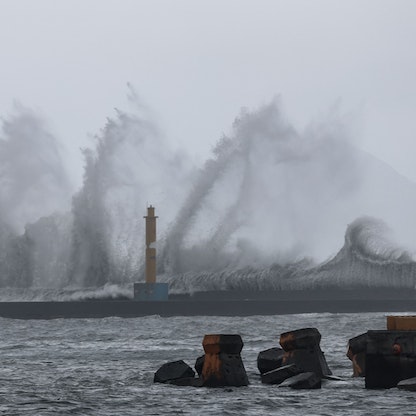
x=130 y=309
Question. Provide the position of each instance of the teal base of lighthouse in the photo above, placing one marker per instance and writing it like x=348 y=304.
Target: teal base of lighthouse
x=151 y=291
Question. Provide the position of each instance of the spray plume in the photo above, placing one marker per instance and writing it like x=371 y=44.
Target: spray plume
x=267 y=211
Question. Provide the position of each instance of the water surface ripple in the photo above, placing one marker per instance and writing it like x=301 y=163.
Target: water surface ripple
x=106 y=367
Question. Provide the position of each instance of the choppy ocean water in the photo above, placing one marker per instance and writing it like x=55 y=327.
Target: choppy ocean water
x=106 y=367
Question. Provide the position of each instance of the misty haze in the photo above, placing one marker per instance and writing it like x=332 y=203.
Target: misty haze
x=263 y=212
x=220 y=186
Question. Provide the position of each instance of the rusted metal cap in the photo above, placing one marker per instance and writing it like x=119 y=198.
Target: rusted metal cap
x=227 y=343
x=401 y=323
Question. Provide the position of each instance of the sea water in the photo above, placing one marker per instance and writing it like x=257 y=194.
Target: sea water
x=106 y=367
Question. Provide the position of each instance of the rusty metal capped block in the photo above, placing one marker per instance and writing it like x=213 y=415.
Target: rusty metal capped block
x=226 y=343
x=300 y=339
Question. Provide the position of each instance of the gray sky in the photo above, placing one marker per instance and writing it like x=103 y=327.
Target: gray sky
x=196 y=63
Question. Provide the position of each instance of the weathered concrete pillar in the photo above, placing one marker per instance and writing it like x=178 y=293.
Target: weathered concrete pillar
x=222 y=364
x=390 y=358
x=302 y=348
x=357 y=348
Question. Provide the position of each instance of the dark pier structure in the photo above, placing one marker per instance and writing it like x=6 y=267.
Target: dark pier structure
x=221 y=305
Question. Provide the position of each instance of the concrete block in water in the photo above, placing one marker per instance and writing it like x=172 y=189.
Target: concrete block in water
x=302 y=348
x=222 y=364
x=390 y=358
x=300 y=339
x=269 y=359
x=307 y=380
x=311 y=359
x=280 y=374
x=199 y=364
x=173 y=371
x=357 y=348
x=408 y=384
x=333 y=378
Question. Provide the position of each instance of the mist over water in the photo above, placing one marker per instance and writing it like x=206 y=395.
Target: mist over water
x=131 y=166
x=272 y=208
x=269 y=193
x=33 y=184
x=33 y=181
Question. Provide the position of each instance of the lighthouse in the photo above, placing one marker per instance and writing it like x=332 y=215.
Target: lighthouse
x=150 y=290
x=150 y=267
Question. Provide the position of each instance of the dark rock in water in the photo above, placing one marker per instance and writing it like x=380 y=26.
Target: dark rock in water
x=357 y=348
x=188 y=382
x=307 y=380
x=269 y=360
x=390 y=358
x=199 y=364
x=172 y=371
x=409 y=384
x=279 y=375
x=300 y=339
x=223 y=365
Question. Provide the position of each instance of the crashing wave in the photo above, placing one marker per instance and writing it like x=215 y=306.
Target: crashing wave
x=268 y=201
x=367 y=259
x=31 y=294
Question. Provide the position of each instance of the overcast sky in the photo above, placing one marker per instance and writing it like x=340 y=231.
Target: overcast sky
x=196 y=63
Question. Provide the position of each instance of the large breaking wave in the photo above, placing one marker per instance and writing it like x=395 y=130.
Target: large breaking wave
x=267 y=211
x=367 y=259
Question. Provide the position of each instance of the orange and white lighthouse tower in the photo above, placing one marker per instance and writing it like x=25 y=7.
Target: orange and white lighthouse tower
x=150 y=267
x=150 y=290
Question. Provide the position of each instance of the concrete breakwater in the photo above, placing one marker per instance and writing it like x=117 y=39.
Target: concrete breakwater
x=199 y=307
x=300 y=364
x=386 y=358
